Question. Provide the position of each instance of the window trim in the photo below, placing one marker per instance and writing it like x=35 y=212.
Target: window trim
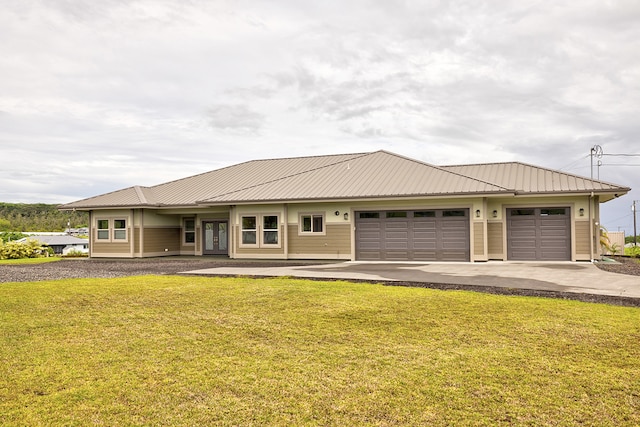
x=311 y=215
x=260 y=230
x=111 y=230
x=185 y=231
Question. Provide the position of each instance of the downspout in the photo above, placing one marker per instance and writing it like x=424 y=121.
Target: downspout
x=132 y=233
x=90 y=233
x=232 y=231
x=286 y=230
x=591 y=234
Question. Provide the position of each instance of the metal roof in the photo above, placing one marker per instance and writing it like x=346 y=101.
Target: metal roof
x=378 y=174
x=56 y=240
x=528 y=179
x=374 y=175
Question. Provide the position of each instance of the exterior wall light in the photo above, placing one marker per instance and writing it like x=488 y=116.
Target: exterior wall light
x=495 y=213
x=581 y=211
x=346 y=216
x=477 y=213
x=337 y=213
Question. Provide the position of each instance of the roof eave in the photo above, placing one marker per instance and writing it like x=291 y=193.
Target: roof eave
x=353 y=199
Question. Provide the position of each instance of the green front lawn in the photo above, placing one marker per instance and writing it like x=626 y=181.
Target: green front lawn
x=164 y=350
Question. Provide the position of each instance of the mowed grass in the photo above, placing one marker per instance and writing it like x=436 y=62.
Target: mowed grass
x=165 y=350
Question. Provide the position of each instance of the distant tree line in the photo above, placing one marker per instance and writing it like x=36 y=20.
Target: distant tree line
x=18 y=217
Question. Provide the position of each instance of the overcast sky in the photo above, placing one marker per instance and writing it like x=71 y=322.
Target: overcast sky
x=100 y=95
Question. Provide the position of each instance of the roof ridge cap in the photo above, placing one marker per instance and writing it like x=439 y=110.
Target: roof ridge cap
x=356 y=156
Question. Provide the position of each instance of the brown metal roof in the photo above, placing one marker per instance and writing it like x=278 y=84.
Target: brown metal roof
x=374 y=175
x=379 y=174
x=529 y=179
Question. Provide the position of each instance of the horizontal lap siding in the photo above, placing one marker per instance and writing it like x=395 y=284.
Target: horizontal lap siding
x=478 y=238
x=110 y=248
x=335 y=243
x=159 y=239
x=495 y=240
x=136 y=240
x=582 y=240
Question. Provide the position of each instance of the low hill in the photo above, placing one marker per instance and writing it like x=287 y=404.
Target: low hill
x=39 y=217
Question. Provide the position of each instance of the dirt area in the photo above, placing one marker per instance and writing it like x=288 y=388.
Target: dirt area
x=111 y=268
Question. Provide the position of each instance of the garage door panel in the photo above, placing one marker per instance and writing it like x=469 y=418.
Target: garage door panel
x=396 y=245
x=424 y=255
x=542 y=234
x=424 y=225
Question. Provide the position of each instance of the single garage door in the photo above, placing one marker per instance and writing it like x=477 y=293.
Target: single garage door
x=419 y=235
x=539 y=234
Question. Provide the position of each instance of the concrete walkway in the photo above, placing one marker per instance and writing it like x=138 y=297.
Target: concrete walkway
x=549 y=276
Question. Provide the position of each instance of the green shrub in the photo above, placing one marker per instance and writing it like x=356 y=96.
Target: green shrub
x=632 y=251
x=28 y=249
x=74 y=253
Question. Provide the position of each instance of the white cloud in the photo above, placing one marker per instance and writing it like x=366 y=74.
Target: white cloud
x=171 y=88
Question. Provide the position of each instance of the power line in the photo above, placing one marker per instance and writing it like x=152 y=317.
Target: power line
x=574 y=162
x=622 y=155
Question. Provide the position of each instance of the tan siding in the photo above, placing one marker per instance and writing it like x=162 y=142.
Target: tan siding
x=495 y=240
x=336 y=242
x=159 y=239
x=582 y=239
x=110 y=248
x=136 y=240
x=478 y=238
x=258 y=252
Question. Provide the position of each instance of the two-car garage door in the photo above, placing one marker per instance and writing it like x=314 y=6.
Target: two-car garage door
x=419 y=235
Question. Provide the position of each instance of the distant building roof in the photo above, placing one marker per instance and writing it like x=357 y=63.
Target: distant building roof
x=57 y=240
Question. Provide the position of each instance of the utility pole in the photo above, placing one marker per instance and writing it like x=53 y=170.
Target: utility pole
x=633 y=209
x=596 y=151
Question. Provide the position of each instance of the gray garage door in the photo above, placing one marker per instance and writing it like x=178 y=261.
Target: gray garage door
x=420 y=235
x=539 y=234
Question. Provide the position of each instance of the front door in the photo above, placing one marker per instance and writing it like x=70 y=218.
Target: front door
x=215 y=237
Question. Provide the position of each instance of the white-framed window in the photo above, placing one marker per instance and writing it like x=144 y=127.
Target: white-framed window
x=270 y=230
x=189 y=231
x=119 y=229
x=111 y=229
x=260 y=230
x=311 y=223
x=103 y=229
x=249 y=230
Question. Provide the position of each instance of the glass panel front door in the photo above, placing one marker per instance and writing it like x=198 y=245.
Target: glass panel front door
x=215 y=237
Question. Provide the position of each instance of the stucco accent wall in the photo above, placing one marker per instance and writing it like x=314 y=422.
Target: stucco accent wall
x=335 y=244
x=495 y=240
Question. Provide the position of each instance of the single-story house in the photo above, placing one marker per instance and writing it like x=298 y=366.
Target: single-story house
x=364 y=206
x=61 y=244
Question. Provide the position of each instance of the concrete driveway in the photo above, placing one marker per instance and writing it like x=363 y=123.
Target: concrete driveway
x=574 y=277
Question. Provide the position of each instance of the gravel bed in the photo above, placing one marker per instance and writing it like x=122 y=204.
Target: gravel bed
x=111 y=268
x=623 y=265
